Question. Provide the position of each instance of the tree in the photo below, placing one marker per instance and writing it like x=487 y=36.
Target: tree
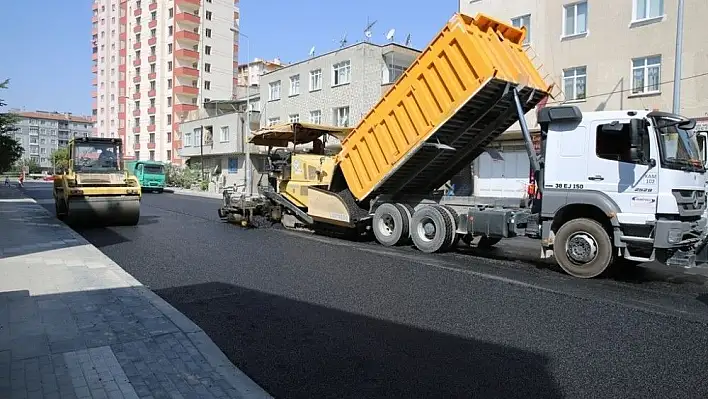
x=10 y=149
x=60 y=159
x=31 y=164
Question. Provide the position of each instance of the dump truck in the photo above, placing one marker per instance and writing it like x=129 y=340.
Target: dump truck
x=150 y=174
x=95 y=189
x=613 y=187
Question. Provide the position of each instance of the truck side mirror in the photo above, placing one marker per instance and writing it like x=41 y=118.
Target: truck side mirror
x=637 y=130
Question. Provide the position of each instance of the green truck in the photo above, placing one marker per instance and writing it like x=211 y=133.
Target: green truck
x=150 y=174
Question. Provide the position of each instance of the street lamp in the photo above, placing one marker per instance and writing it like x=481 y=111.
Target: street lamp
x=678 y=58
x=247 y=163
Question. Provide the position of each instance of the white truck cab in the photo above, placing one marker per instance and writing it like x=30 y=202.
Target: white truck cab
x=635 y=176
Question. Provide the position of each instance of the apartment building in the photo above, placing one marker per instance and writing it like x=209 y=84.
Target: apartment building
x=40 y=133
x=155 y=61
x=247 y=92
x=602 y=55
x=337 y=88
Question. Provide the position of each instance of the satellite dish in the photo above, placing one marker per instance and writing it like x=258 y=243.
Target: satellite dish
x=389 y=35
x=408 y=40
x=367 y=30
x=312 y=51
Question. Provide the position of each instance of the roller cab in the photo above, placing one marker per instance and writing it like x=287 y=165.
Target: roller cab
x=95 y=189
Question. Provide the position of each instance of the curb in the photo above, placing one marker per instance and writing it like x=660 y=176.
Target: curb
x=192 y=193
x=245 y=386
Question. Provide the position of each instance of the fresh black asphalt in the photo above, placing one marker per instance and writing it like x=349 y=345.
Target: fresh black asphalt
x=310 y=317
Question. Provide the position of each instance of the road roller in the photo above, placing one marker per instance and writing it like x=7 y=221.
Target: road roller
x=94 y=188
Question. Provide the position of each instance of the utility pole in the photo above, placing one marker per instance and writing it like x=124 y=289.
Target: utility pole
x=201 y=150
x=678 y=59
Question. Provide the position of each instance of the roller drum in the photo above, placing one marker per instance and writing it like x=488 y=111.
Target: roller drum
x=106 y=211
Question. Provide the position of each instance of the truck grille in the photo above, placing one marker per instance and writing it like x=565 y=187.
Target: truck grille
x=690 y=202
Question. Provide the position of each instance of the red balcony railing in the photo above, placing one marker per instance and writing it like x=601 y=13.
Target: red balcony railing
x=187 y=54
x=186 y=90
x=152 y=76
x=151 y=128
x=152 y=41
x=187 y=18
x=186 y=72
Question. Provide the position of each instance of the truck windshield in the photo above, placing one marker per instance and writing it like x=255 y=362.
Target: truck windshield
x=154 y=169
x=679 y=146
x=96 y=157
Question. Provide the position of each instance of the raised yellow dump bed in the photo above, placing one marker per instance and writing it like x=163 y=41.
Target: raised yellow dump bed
x=445 y=109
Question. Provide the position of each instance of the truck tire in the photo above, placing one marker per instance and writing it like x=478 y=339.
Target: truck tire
x=60 y=208
x=408 y=215
x=583 y=248
x=390 y=225
x=431 y=229
x=452 y=215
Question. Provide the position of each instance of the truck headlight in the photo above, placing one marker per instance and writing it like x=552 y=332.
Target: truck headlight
x=675 y=236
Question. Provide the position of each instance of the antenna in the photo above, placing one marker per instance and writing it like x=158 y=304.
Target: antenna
x=390 y=34
x=312 y=51
x=367 y=30
x=408 y=40
x=343 y=40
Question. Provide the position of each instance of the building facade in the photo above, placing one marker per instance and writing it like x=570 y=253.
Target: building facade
x=337 y=88
x=601 y=55
x=155 y=61
x=41 y=133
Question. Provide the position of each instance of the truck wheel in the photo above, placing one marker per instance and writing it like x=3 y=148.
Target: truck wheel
x=408 y=215
x=390 y=225
x=60 y=209
x=486 y=242
x=452 y=217
x=583 y=248
x=431 y=229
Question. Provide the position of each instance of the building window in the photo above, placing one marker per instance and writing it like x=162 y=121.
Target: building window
x=295 y=85
x=169 y=155
x=169 y=30
x=137 y=155
x=207 y=50
x=316 y=80
x=207 y=85
x=169 y=83
x=524 y=20
x=274 y=91
x=169 y=119
x=394 y=72
x=152 y=155
x=169 y=101
x=169 y=65
x=646 y=75
x=574 y=80
x=207 y=67
x=341 y=117
x=207 y=32
x=188 y=139
x=341 y=73
x=273 y=121
x=224 y=136
x=169 y=48
x=208 y=15
x=151 y=138
x=316 y=117
x=648 y=9
x=575 y=21
x=294 y=118
x=171 y=13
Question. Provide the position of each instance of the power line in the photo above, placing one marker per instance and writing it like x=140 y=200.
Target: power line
x=628 y=90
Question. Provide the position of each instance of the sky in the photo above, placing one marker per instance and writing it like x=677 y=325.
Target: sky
x=46 y=44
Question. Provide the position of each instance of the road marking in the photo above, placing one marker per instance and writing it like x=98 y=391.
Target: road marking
x=19 y=200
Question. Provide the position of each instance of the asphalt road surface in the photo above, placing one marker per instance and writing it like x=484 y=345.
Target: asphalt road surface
x=308 y=316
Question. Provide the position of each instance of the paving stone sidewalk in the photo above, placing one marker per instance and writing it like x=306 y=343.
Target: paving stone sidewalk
x=73 y=324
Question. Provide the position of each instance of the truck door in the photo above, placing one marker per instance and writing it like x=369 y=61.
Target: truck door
x=632 y=185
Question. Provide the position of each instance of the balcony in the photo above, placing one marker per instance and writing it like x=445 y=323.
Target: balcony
x=136 y=146
x=94 y=32
x=136 y=130
x=186 y=54
x=122 y=68
x=186 y=72
x=152 y=24
x=136 y=112
x=152 y=58
x=136 y=79
x=136 y=96
x=94 y=82
x=151 y=146
x=188 y=4
x=187 y=18
x=152 y=76
x=94 y=69
x=137 y=29
x=151 y=128
x=152 y=41
x=121 y=115
x=123 y=21
x=94 y=6
x=187 y=36
x=136 y=46
x=122 y=52
x=94 y=57
x=136 y=62
x=186 y=90
x=94 y=19
x=94 y=94
x=152 y=110
x=137 y=12
x=183 y=108
x=152 y=6
x=152 y=93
